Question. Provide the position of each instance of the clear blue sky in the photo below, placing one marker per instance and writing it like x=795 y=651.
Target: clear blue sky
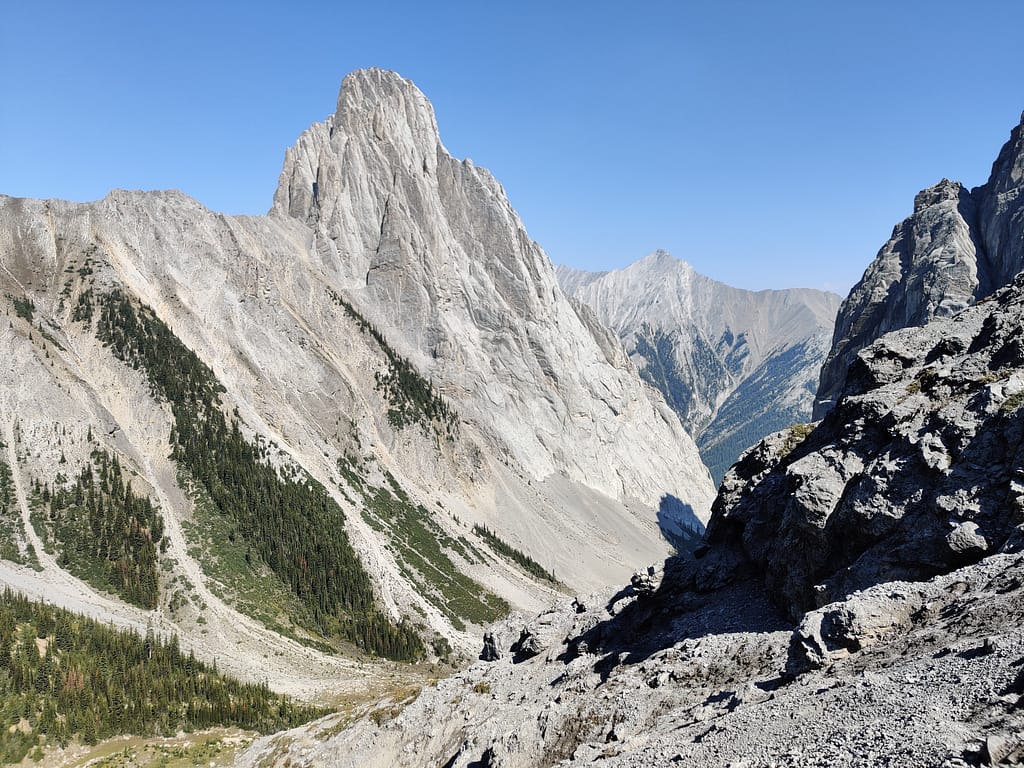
x=768 y=144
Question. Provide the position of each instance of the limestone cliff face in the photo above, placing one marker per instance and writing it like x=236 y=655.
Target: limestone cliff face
x=957 y=247
x=431 y=251
x=385 y=266
x=734 y=364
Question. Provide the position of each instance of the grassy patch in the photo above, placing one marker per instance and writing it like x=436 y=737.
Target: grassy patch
x=797 y=434
x=1012 y=403
x=239 y=577
x=423 y=552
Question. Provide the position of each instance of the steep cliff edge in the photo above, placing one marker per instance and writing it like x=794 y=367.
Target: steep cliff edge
x=957 y=247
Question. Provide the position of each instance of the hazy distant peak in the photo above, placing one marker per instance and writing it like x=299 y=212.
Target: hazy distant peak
x=661 y=258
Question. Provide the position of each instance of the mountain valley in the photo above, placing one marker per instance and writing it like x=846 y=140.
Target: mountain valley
x=371 y=479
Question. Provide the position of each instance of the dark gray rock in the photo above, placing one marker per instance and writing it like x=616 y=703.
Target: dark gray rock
x=491 y=652
x=913 y=474
x=957 y=247
x=647 y=582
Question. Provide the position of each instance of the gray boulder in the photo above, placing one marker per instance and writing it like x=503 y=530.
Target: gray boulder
x=913 y=474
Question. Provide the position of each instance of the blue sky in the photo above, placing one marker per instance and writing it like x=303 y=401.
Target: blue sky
x=769 y=144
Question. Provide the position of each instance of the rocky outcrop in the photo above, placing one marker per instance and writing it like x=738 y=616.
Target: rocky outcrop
x=957 y=247
x=430 y=250
x=915 y=472
x=734 y=364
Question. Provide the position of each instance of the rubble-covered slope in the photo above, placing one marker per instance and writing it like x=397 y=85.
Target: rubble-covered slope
x=914 y=674
x=857 y=601
x=735 y=365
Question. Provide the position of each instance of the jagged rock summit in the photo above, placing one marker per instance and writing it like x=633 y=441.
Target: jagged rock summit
x=734 y=364
x=391 y=346
x=432 y=252
x=957 y=246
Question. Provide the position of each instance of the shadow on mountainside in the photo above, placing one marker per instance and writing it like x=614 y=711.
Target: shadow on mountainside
x=733 y=601
x=679 y=524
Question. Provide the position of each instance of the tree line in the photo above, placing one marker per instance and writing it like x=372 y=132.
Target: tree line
x=105 y=532
x=64 y=676
x=290 y=520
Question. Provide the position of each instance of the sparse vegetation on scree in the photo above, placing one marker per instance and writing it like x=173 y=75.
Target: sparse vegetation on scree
x=411 y=397
x=518 y=557
x=423 y=551
x=103 y=531
x=10 y=520
x=288 y=519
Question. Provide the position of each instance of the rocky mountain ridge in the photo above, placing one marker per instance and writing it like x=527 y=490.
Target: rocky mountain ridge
x=735 y=365
x=386 y=350
x=957 y=247
x=430 y=250
x=857 y=602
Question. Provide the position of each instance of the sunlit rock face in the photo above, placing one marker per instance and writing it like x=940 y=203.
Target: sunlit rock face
x=381 y=251
x=958 y=246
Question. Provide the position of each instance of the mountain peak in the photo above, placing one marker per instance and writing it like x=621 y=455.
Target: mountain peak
x=659 y=256
x=944 y=190
x=660 y=260
x=383 y=120
x=435 y=256
x=386 y=106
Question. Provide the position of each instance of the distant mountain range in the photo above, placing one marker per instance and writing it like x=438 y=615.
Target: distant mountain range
x=735 y=365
